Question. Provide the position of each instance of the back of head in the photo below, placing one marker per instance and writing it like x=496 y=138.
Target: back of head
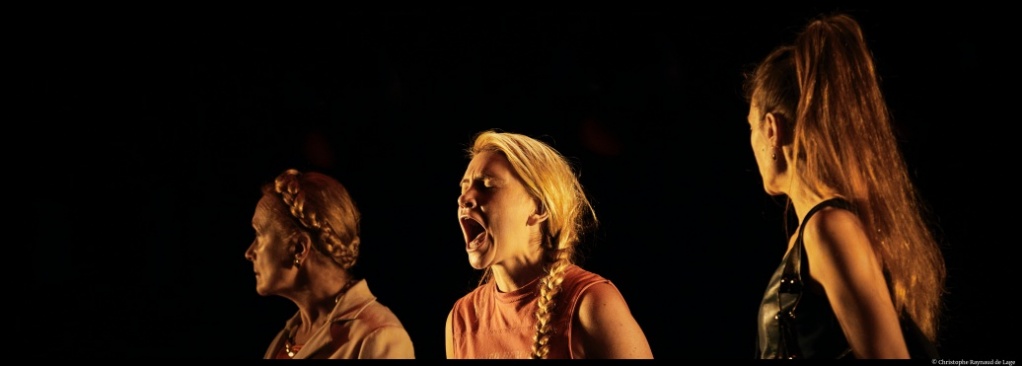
x=773 y=86
x=321 y=205
x=826 y=89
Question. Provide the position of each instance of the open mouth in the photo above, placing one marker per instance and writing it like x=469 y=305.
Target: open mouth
x=473 y=231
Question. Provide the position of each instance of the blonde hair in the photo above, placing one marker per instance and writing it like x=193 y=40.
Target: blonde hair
x=549 y=178
x=322 y=206
x=825 y=87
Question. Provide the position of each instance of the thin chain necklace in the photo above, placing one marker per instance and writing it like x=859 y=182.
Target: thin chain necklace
x=289 y=343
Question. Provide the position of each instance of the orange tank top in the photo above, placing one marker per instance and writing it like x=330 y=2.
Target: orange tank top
x=487 y=323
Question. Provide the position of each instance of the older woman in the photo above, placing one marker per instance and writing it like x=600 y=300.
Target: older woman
x=306 y=241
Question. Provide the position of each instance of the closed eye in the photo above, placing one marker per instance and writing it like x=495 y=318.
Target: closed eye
x=482 y=184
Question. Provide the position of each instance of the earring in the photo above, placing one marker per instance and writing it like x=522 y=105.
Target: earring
x=297 y=263
x=773 y=152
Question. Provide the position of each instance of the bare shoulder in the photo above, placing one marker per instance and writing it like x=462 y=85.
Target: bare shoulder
x=602 y=305
x=607 y=327
x=601 y=293
x=843 y=261
x=840 y=254
x=836 y=235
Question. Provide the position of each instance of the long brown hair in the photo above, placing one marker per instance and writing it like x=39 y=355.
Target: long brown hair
x=549 y=178
x=826 y=87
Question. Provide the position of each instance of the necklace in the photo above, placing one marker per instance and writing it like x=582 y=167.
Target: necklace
x=289 y=343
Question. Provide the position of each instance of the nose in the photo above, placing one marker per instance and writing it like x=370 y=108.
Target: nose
x=467 y=200
x=250 y=252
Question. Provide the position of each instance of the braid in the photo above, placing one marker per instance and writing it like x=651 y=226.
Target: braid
x=289 y=188
x=550 y=180
x=549 y=288
x=345 y=255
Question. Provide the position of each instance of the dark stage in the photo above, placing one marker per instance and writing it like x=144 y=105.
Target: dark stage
x=151 y=136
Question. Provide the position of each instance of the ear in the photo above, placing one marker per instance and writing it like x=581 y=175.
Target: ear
x=300 y=245
x=539 y=216
x=774 y=125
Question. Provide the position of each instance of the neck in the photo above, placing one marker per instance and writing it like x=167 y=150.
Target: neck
x=803 y=198
x=318 y=300
x=518 y=270
x=508 y=280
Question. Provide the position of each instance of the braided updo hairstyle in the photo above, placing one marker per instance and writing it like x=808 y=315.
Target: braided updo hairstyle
x=321 y=206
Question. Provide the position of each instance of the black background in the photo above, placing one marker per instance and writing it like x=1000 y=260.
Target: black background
x=152 y=133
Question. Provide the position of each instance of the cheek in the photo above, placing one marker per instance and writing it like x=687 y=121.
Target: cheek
x=752 y=142
x=269 y=252
x=509 y=217
x=524 y=208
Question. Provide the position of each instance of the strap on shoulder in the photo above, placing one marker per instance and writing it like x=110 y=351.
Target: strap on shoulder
x=800 y=265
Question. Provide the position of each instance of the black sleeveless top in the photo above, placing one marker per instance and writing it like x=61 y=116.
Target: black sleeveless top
x=794 y=323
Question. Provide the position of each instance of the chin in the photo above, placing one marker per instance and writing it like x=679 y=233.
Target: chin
x=477 y=262
x=481 y=260
x=770 y=190
x=264 y=290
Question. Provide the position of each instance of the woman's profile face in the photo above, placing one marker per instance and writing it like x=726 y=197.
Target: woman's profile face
x=494 y=209
x=271 y=259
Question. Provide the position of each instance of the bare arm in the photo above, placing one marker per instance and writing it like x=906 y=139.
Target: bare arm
x=842 y=260
x=607 y=328
x=449 y=335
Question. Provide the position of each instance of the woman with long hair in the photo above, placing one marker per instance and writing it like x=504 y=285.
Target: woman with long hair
x=522 y=211
x=863 y=276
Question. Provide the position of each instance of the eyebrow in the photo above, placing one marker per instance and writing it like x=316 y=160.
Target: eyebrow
x=485 y=175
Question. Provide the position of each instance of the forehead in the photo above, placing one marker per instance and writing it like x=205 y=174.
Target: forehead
x=753 y=112
x=267 y=211
x=488 y=164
